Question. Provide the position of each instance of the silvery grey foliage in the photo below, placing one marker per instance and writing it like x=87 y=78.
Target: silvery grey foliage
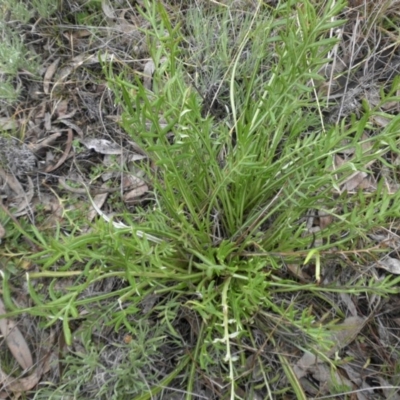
x=16 y=157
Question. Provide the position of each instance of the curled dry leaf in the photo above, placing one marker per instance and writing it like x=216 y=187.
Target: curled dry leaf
x=60 y=108
x=325 y=219
x=47 y=121
x=2 y=231
x=148 y=72
x=65 y=154
x=49 y=75
x=390 y=264
x=358 y=179
x=389 y=391
x=366 y=143
x=384 y=334
x=135 y=193
x=339 y=161
x=21 y=385
x=89 y=59
x=342 y=335
x=297 y=271
x=114 y=167
x=102 y=146
x=8 y=124
x=15 y=341
x=12 y=182
x=71 y=125
x=108 y=9
x=46 y=142
x=328 y=378
x=131 y=182
x=136 y=157
x=120 y=225
x=346 y=298
x=354 y=181
x=380 y=121
x=136 y=185
x=63 y=74
x=24 y=202
x=123 y=25
x=99 y=200
x=81 y=33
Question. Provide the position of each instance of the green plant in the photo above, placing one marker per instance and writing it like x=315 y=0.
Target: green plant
x=23 y=10
x=230 y=206
x=230 y=198
x=14 y=55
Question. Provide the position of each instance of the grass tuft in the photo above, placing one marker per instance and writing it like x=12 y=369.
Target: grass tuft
x=241 y=159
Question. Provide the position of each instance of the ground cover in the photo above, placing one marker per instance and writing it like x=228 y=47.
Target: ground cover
x=200 y=200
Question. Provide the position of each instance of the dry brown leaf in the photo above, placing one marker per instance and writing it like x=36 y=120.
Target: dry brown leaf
x=390 y=264
x=390 y=392
x=135 y=157
x=47 y=121
x=21 y=385
x=85 y=59
x=8 y=124
x=65 y=117
x=25 y=201
x=40 y=110
x=354 y=181
x=367 y=183
x=63 y=74
x=328 y=378
x=306 y=362
x=2 y=231
x=108 y=9
x=46 y=142
x=346 y=298
x=81 y=33
x=50 y=204
x=99 y=200
x=102 y=146
x=65 y=154
x=342 y=335
x=148 y=72
x=354 y=374
x=358 y=179
x=325 y=219
x=366 y=144
x=131 y=182
x=113 y=173
x=135 y=193
x=346 y=332
x=15 y=341
x=124 y=26
x=384 y=334
x=297 y=271
x=71 y=125
x=339 y=161
x=61 y=109
x=13 y=183
x=49 y=75
x=136 y=187
x=386 y=240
